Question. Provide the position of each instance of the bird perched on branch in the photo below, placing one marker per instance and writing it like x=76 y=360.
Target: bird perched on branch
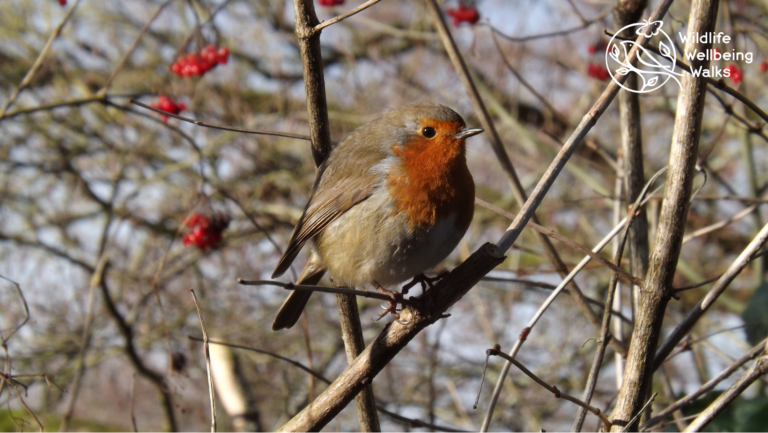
x=390 y=202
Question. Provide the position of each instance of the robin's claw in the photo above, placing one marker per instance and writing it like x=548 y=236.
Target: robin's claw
x=425 y=281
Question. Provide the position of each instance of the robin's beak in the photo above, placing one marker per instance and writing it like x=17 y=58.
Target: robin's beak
x=468 y=132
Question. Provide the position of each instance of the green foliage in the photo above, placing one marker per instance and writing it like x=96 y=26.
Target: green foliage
x=755 y=315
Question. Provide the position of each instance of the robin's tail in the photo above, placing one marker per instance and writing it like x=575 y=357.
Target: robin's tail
x=293 y=306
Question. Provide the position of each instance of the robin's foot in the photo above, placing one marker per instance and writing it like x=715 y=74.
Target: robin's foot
x=425 y=281
x=391 y=306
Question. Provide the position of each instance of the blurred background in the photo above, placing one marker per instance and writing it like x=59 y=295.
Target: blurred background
x=110 y=213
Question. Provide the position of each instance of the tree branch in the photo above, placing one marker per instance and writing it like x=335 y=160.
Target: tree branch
x=656 y=291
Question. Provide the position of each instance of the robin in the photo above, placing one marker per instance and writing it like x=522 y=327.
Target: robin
x=391 y=201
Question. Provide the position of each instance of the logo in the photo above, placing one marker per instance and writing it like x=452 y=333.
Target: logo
x=653 y=70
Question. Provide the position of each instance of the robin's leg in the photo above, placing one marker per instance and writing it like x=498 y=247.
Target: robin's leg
x=391 y=307
x=425 y=281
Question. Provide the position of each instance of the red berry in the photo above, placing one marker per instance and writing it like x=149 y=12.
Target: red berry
x=735 y=73
x=764 y=66
x=176 y=68
x=463 y=14
x=63 y=2
x=208 y=54
x=180 y=107
x=205 y=233
x=222 y=55
x=328 y=2
x=597 y=71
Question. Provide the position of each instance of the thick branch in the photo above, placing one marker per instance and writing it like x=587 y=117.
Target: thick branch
x=314 y=80
x=394 y=338
x=655 y=293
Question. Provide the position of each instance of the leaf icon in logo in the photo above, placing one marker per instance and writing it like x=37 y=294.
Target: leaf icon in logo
x=664 y=49
x=623 y=71
x=653 y=81
x=615 y=53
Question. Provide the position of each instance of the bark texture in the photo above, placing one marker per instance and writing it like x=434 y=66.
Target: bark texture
x=655 y=293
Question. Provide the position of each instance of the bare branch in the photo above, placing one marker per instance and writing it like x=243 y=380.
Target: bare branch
x=131 y=49
x=223 y=128
x=23 y=300
x=758 y=369
x=733 y=271
x=206 y=348
x=584 y=25
x=690 y=398
x=656 y=292
x=38 y=61
x=558 y=394
x=333 y=21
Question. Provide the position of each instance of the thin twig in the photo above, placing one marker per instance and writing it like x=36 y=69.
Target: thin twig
x=133 y=414
x=558 y=394
x=526 y=331
x=380 y=408
x=640 y=412
x=23 y=300
x=758 y=369
x=96 y=280
x=725 y=280
x=265 y=352
x=720 y=224
x=323 y=289
x=223 y=128
x=206 y=347
x=39 y=424
x=713 y=279
x=39 y=61
x=605 y=333
x=690 y=398
x=571 y=243
x=585 y=24
x=333 y=21
x=131 y=49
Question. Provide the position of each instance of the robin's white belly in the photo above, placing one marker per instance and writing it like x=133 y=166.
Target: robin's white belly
x=368 y=245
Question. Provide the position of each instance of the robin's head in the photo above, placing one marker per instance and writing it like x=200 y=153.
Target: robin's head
x=420 y=127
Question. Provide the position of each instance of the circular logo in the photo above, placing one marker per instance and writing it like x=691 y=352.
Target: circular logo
x=653 y=69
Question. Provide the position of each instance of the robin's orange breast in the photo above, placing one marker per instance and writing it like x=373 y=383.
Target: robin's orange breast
x=432 y=182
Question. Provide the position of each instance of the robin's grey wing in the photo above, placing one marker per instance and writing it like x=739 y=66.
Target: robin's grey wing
x=341 y=184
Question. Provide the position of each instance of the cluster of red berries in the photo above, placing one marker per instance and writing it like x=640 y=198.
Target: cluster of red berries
x=463 y=14
x=735 y=73
x=597 y=72
x=198 y=64
x=205 y=232
x=166 y=104
x=330 y=2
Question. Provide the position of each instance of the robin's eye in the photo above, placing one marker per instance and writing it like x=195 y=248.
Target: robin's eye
x=428 y=132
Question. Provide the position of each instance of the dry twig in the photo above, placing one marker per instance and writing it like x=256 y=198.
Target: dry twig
x=206 y=348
